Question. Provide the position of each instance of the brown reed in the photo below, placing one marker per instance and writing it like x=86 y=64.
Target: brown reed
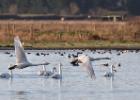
x=67 y=31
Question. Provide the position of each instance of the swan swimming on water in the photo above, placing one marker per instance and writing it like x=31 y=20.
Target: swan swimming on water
x=110 y=73
x=85 y=63
x=44 y=72
x=59 y=74
x=21 y=59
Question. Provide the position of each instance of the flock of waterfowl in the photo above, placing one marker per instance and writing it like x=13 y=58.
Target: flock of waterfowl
x=78 y=59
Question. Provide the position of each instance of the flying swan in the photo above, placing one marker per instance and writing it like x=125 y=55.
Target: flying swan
x=21 y=59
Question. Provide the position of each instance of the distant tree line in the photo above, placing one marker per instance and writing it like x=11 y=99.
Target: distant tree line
x=69 y=7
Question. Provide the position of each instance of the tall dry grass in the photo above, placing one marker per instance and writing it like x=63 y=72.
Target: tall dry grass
x=44 y=31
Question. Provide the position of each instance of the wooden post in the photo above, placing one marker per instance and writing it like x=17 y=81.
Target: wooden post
x=114 y=18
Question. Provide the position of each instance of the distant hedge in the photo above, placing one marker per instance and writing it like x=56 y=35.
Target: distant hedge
x=69 y=7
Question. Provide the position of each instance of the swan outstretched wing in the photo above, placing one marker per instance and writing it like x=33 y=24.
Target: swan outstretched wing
x=19 y=51
x=89 y=69
x=87 y=65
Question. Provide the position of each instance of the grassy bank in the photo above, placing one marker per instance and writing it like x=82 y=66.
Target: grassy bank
x=71 y=34
x=70 y=45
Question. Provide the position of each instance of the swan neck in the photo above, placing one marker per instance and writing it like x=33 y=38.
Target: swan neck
x=60 y=70
x=111 y=69
x=44 y=68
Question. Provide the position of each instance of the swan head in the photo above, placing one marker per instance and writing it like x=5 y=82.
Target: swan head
x=54 y=69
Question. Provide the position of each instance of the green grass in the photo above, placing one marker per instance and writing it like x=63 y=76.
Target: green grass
x=86 y=44
x=81 y=44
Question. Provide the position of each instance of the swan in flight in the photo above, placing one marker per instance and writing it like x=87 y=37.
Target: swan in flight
x=85 y=63
x=75 y=63
x=110 y=73
x=21 y=59
x=59 y=74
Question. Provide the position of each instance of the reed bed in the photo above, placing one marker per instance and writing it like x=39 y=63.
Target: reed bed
x=69 y=31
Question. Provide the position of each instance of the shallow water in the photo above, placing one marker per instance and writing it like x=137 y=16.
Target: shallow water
x=75 y=84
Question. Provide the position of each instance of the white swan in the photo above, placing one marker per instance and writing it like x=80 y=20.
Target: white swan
x=110 y=73
x=75 y=59
x=21 y=59
x=85 y=63
x=44 y=72
x=59 y=74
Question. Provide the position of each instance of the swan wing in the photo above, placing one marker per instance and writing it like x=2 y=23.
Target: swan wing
x=19 y=51
x=89 y=69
